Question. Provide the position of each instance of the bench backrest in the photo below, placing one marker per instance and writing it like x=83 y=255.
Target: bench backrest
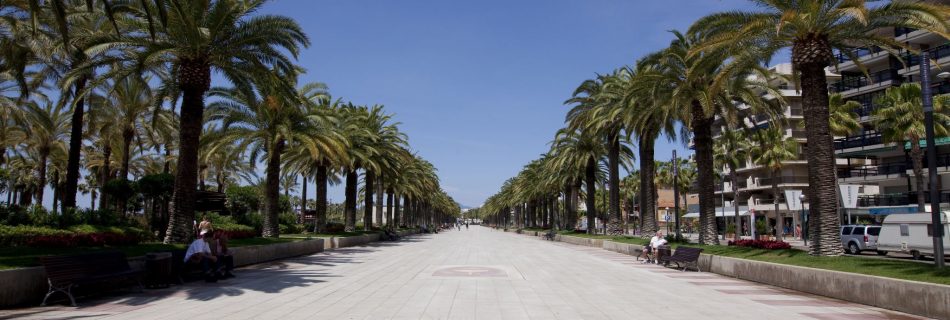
x=687 y=253
x=63 y=270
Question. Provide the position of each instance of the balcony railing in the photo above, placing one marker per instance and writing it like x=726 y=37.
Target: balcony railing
x=897 y=199
x=884 y=169
x=899 y=31
x=864 y=140
x=936 y=53
x=858 y=52
x=799 y=134
x=854 y=82
x=796 y=112
x=780 y=180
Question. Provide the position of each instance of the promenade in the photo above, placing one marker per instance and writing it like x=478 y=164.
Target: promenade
x=477 y=273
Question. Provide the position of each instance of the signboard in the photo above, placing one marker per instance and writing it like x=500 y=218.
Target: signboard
x=793 y=199
x=849 y=195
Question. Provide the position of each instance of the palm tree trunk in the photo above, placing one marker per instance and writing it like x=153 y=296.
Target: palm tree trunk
x=735 y=200
x=703 y=144
x=614 y=168
x=379 y=201
x=41 y=172
x=810 y=56
x=75 y=145
x=303 y=199
x=917 y=157
x=320 y=219
x=368 y=200
x=104 y=176
x=396 y=214
x=127 y=136
x=349 y=206
x=271 y=226
x=590 y=172
x=647 y=187
x=194 y=77
x=389 y=208
x=779 y=223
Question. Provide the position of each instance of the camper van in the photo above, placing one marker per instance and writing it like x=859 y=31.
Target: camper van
x=911 y=233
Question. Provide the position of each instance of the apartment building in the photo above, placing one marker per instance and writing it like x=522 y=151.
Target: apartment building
x=753 y=190
x=885 y=170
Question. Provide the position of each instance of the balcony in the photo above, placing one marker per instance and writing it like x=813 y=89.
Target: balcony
x=799 y=134
x=796 y=112
x=897 y=199
x=857 y=52
x=864 y=140
x=767 y=182
x=936 y=53
x=899 y=31
x=854 y=82
x=867 y=171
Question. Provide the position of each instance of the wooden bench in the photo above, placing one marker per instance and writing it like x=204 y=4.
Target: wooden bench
x=67 y=272
x=683 y=257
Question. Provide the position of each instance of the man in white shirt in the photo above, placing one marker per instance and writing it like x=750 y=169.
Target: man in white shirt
x=654 y=243
x=200 y=253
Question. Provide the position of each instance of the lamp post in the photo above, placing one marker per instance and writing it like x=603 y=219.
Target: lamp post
x=801 y=201
x=676 y=197
x=931 y=158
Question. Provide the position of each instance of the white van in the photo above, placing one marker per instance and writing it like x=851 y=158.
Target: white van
x=911 y=233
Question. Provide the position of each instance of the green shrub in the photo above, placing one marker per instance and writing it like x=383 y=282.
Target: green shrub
x=79 y=235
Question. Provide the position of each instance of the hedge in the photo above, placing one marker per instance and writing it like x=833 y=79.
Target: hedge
x=762 y=244
x=75 y=236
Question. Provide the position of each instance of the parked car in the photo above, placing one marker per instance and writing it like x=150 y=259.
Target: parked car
x=911 y=233
x=857 y=238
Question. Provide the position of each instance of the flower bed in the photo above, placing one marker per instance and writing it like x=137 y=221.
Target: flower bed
x=762 y=244
x=76 y=236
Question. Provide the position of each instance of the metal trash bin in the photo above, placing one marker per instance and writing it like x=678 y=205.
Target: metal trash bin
x=158 y=269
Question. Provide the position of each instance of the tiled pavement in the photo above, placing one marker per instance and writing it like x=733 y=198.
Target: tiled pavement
x=470 y=274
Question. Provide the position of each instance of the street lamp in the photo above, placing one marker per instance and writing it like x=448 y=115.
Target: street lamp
x=676 y=197
x=801 y=201
x=931 y=158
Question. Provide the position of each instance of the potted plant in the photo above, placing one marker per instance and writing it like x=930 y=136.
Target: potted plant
x=731 y=231
x=761 y=230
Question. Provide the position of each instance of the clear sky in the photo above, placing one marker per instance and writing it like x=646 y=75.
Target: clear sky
x=479 y=86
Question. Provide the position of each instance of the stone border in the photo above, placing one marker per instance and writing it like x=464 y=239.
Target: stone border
x=913 y=297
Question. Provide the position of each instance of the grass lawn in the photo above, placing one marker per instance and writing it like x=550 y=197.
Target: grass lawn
x=889 y=268
x=327 y=234
x=18 y=257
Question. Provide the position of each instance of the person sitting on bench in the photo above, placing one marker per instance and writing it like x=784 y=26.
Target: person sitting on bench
x=655 y=243
x=200 y=253
x=219 y=247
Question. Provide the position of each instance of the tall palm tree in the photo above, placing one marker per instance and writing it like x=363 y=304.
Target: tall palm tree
x=265 y=121
x=48 y=127
x=583 y=150
x=732 y=151
x=900 y=119
x=700 y=86
x=195 y=38
x=842 y=120
x=813 y=29
x=387 y=142
x=772 y=149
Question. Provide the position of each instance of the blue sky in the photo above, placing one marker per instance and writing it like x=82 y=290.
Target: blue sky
x=479 y=86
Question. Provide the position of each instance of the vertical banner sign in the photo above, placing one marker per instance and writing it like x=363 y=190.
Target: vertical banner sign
x=793 y=199
x=849 y=195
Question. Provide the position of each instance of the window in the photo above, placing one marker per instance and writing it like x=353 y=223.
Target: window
x=845 y=231
x=874 y=231
x=858 y=231
x=905 y=230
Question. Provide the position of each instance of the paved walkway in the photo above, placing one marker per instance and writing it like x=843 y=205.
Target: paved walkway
x=470 y=274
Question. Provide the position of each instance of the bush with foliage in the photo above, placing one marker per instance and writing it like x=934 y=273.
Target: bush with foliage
x=762 y=244
x=233 y=229
x=75 y=236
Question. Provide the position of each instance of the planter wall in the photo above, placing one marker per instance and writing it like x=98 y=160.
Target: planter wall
x=580 y=241
x=27 y=286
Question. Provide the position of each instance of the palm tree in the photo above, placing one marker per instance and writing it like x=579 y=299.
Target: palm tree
x=47 y=126
x=771 y=151
x=698 y=87
x=195 y=38
x=842 y=120
x=265 y=121
x=387 y=142
x=813 y=29
x=900 y=119
x=732 y=151
x=582 y=150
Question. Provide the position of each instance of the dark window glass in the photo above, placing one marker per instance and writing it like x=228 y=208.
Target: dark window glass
x=905 y=230
x=845 y=231
x=874 y=231
x=858 y=231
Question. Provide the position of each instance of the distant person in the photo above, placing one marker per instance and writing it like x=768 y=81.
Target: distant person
x=458 y=226
x=204 y=225
x=798 y=231
x=466 y=226
x=200 y=253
